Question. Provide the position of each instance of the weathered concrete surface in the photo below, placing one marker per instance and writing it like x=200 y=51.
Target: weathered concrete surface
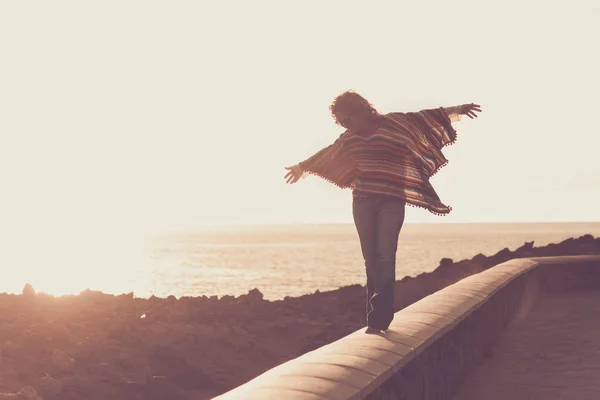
x=552 y=352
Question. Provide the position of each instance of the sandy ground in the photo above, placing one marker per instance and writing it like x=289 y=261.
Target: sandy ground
x=552 y=353
x=98 y=346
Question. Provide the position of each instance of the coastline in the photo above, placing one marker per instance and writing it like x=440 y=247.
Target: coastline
x=97 y=346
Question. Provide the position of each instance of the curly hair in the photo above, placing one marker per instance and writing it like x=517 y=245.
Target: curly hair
x=352 y=103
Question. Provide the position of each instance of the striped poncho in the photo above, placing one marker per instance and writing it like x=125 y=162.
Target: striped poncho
x=396 y=160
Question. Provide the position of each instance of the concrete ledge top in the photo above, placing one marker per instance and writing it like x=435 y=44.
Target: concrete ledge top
x=355 y=365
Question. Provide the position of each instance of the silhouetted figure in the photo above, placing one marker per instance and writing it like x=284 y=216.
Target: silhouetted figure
x=387 y=161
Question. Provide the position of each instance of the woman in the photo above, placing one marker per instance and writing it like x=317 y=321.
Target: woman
x=387 y=161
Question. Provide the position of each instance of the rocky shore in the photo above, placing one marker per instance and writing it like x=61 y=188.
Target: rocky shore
x=100 y=346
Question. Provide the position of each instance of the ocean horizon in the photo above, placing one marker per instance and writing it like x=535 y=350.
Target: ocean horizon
x=278 y=259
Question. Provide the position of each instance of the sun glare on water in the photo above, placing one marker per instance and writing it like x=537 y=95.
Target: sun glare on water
x=66 y=270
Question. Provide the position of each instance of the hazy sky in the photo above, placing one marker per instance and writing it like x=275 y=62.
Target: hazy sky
x=119 y=118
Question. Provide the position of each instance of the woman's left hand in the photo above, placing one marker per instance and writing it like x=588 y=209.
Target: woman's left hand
x=470 y=110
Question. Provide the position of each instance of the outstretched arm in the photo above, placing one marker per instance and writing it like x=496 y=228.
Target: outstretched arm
x=295 y=172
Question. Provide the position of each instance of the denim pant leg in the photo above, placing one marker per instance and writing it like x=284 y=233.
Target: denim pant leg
x=365 y=218
x=378 y=223
x=390 y=217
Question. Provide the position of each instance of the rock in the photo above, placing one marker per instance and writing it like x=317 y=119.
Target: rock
x=445 y=267
x=49 y=386
x=524 y=250
x=62 y=360
x=446 y=262
x=228 y=299
x=479 y=258
x=253 y=296
x=28 y=290
x=501 y=256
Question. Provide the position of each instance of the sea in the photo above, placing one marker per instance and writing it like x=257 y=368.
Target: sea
x=292 y=260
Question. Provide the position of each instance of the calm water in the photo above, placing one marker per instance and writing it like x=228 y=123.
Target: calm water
x=294 y=260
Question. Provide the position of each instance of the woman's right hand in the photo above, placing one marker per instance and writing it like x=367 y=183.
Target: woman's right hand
x=294 y=173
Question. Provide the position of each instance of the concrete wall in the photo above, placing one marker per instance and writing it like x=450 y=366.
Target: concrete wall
x=431 y=344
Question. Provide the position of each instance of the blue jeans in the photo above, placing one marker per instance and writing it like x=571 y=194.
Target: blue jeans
x=378 y=222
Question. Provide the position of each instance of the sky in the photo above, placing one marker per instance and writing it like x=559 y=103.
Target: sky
x=124 y=118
